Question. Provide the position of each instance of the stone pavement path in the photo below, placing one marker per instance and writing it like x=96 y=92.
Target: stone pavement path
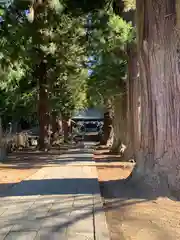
x=60 y=201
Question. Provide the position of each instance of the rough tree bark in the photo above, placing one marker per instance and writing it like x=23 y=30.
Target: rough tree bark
x=55 y=123
x=158 y=46
x=43 y=107
x=65 y=127
x=40 y=74
x=3 y=152
x=116 y=125
x=107 y=124
x=106 y=128
x=133 y=105
x=119 y=123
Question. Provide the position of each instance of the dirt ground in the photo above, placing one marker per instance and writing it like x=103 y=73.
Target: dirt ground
x=132 y=212
x=22 y=164
x=9 y=177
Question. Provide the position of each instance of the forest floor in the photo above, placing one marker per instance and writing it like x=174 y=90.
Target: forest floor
x=132 y=212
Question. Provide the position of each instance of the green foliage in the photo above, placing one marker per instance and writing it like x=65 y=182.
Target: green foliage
x=17 y=95
x=57 y=39
x=109 y=65
x=61 y=36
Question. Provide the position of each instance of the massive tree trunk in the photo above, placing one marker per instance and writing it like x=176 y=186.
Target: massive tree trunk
x=56 y=127
x=55 y=123
x=119 y=123
x=158 y=44
x=106 y=128
x=3 y=147
x=43 y=107
x=65 y=126
x=133 y=105
x=107 y=125
x=116 y=125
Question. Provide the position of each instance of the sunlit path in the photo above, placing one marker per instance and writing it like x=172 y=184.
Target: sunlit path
x=57 y=202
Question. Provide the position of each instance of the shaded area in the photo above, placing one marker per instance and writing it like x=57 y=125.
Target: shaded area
x=53 y=187
x=62 y=212
x=140 y=212
x=139 y=208
x=104 y=154
x=53 y=202
x=126 y=189
x=58 y=215
x=121 y=189
x=29 y=159
x=130 y=188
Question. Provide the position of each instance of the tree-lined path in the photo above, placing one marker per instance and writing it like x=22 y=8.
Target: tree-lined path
x=60 y=201
x=58 y=57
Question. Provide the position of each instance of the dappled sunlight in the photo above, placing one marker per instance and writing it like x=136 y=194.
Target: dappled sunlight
x=50 y=202
x=57 y=213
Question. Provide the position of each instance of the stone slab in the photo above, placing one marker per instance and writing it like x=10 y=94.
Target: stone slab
x=57 y=202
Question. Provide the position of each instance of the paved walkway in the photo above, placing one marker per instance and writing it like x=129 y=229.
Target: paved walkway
x=60 y=201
